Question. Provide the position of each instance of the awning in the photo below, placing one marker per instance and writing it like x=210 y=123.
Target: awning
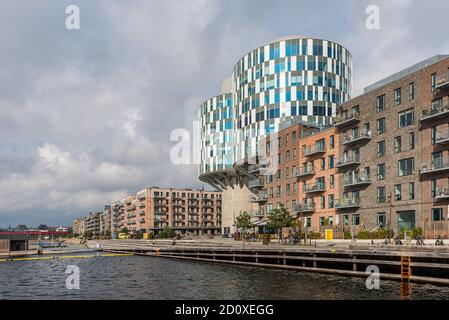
x=260 y=223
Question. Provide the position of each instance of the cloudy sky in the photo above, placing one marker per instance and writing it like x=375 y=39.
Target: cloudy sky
x=86 y=115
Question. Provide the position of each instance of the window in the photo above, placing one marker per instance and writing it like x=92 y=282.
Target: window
x=381 y=171
x=279 y=158
x=381 y=148
x=398 y=192
x=330 y=162
x=437 y=214
x=308 y=222
x=380 y=103
x=397 y=96
x=331 y=201
x=346 y=220
x=433 y=80
x=381 y=195
x=331 y=181
x=397 y=144
x=411 y=191
x=332 y=142
x=356 y=219
x=381 y=127
x=321 y=221
x=323 y=202
x=287 y=156
x=411 y=141
x=406 y=167
x=433 y=187
x=323 y=164
x=381 y=219
x=406 y=118
x=433 y=138
x=411 y=91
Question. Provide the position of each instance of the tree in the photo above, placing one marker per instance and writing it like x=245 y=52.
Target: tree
x=243 y=221
x=280 y=218
x=124 y=230
x=167 y=233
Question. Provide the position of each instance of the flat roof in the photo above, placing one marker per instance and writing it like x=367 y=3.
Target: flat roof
x=405 y=72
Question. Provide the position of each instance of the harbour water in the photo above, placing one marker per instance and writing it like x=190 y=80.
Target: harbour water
x=135 y=277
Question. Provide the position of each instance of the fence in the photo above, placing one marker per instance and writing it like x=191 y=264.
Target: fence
x=436 y=228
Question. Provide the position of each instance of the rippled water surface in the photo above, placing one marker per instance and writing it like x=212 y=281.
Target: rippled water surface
x=156 y=278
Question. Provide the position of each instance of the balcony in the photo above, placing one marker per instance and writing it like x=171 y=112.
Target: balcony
x=315 y=150
x=141 y=196
x=305 y=207
x=357 y=138
x=442 y=138
x=442 y=83
x=305 y=172
x=442 y=194
x=348 y=162
x=254 y=168
x=314 y=188
x=436 y=166
x=256 y=183
x=349 y=203
x=347 y=120
x=256 y=214
x=356 y=181
x=261 y=197
x=435 y=113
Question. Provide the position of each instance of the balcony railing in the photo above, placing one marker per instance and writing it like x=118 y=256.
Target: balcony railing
x=316 y=187
x=348 y=161
x=437 y=112
x=256 y=183
x=357 y=138
x=317 y=149
x=442 y=138
x=442 y=83
x=261 y=197
x=304 y=172
x=256 y=213
x=348 y=119
x=305 y=207
x=353 y=181
x=442 y=194
x=437 y=165
x=257 y=167
x=348 y=203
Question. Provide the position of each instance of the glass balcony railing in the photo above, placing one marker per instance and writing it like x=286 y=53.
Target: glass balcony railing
x=357 y=138
x=314 y=150
x=347 y=203
x=442 y=138
x=261 y=197
x=305 y=207
x=347 y=119
x=442 y=83
x=436 y=165
x=348 y=161
x=356 y=180
x=306 y=171
x=436 y=112
x=316 y=187
x=442 y=194
x=255 y=183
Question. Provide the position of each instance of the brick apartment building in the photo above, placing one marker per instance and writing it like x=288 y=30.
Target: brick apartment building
x=383 y=164
x=184 y=210
x=395 y=135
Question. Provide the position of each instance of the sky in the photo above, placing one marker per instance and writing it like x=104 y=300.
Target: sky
x=86 y=115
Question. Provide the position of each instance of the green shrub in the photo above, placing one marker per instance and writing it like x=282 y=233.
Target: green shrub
x=414 y=233
x=315 y=235
x=167 y=233
x=347 y=235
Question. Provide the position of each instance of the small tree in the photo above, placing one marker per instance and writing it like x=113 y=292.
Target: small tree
x=279 y=218
x=167 y=233
x=124 y=230
x=243 y=221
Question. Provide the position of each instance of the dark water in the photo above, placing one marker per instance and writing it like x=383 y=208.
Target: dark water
x=157 y=278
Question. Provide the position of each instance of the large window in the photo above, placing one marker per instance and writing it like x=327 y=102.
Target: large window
x=381 y=171
x=381 y=148
x=381 y=127
x=437 y=214
x=406 y=118
x=398 y=192
x=397 y=144
x=381 y=192
x=381 y=219
x=406 y=167
x=380 y=104
x=356 y=219
x=397 y=97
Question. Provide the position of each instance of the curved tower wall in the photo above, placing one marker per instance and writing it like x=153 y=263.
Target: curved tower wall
x=296 y=78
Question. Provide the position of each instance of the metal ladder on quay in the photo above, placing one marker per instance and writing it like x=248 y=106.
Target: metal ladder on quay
x=406 y=274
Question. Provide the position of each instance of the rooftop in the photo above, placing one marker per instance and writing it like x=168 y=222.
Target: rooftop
x=403 y=73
